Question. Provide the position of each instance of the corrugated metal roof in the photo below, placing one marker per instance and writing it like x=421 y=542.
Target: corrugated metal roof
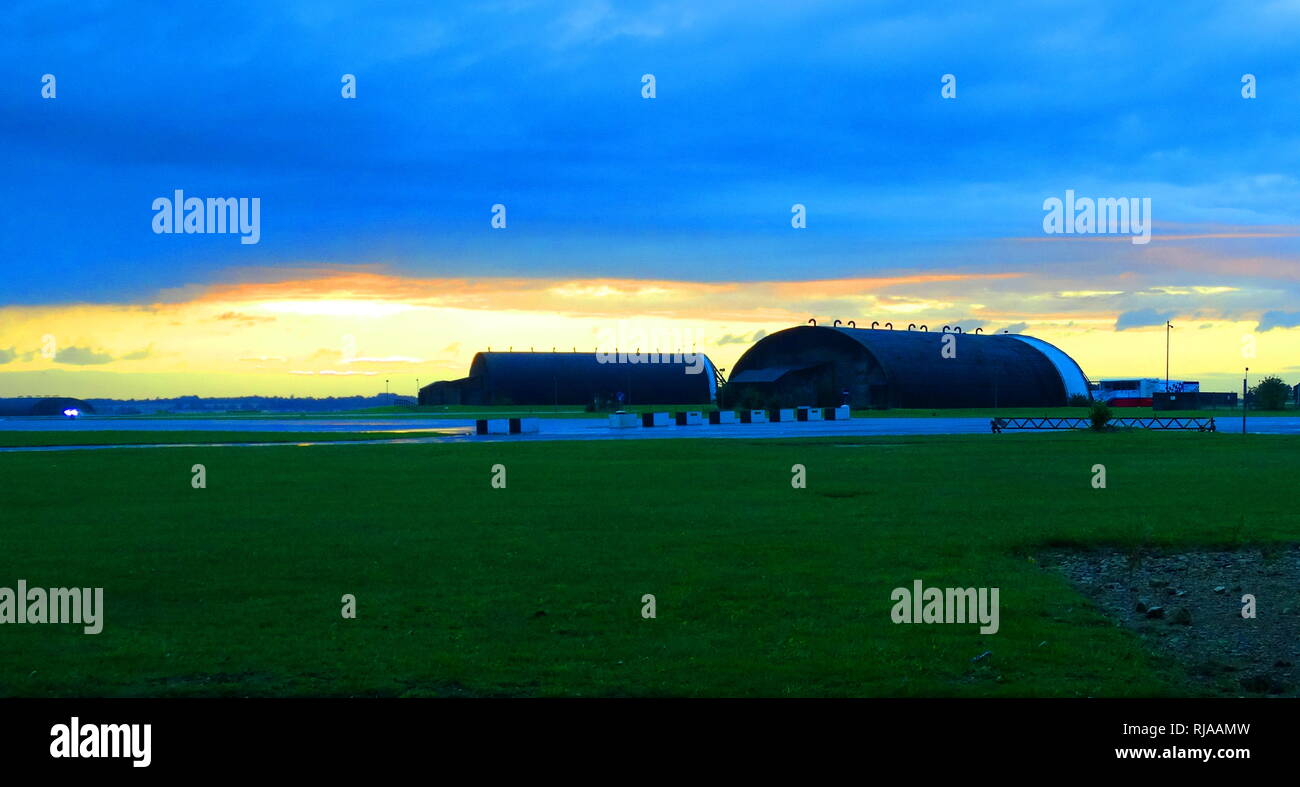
x=769 y=374
x=985 y=368
x=576 y=378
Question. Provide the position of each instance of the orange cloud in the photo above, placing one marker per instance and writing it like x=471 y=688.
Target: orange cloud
x=324 y=331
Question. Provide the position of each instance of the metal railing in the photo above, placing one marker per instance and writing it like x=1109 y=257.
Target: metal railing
x=1198 y=424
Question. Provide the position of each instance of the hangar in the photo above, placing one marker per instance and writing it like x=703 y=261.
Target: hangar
x=578 y=378
x=42 y=405
x=885 y=368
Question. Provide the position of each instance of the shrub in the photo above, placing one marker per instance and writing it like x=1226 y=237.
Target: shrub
x=751 y=399
x=1080 y=400
x=1099 y=414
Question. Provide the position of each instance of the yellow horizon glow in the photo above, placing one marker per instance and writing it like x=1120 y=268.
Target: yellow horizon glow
x=331 y=333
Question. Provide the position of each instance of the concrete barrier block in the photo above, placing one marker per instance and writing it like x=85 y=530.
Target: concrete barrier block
x=523 y=425
x=690 y=418
x=492 y=426
x=654 y=419
x=753 y=416
x=623 y=420
x=723 y=417
x=781 y=415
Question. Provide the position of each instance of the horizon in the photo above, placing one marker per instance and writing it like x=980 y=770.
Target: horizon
x=378 y=253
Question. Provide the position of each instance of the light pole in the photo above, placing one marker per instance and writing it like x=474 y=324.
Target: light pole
x=1168 y=327
x=1243 y=400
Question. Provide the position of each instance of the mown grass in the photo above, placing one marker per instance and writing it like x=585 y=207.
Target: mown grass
x=535 y=589
x=88 y=437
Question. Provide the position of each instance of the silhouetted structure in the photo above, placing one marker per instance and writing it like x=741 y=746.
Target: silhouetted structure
x=577 y=378
x=883 y=368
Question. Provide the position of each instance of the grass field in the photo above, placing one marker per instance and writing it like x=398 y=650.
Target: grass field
x=181 y=437
x=535 y=589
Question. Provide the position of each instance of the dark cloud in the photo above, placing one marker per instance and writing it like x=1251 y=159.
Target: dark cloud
x=741 y=338
x=7 y=355
x=1141 y=318
x=81 y=356
x=1278 y=319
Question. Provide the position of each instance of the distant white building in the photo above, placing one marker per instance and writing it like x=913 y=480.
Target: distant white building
x=1138 y=392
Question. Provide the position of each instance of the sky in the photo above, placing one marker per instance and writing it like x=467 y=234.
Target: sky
x=635 y=220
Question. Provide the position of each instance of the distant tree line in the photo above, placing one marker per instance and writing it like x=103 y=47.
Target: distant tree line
x=1270 y=393
x=249 y=404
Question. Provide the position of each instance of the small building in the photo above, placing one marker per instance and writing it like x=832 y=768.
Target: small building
x=1140 y=392
x=1193 y=400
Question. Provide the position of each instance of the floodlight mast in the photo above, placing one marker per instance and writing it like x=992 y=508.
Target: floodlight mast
x=1168 y=327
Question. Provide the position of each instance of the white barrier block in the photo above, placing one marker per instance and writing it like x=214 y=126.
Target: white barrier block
x=624 y=420
x=498 y=426
x=654 y=419
x=690 y=418
x=727 y=417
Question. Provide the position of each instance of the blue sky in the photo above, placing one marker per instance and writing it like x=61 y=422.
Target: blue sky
x=759 y=106
x=538 y=106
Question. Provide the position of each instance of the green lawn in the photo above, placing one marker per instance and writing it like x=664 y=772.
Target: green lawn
x=536 y=589
x=171 y=437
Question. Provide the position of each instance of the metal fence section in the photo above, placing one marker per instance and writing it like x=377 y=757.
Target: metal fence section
x=1197 y=424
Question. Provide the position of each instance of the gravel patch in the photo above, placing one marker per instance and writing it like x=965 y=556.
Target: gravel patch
x=1189 y=604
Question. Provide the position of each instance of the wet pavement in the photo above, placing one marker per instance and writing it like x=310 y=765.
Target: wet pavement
x=388 y=431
